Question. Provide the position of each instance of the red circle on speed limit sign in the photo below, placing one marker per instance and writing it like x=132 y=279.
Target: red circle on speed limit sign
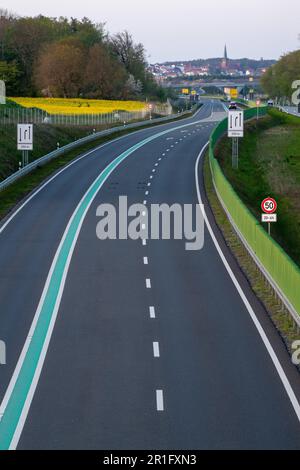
x=269 y=205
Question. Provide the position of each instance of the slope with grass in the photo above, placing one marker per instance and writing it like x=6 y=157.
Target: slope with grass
x=46 y=138
x=269 y=165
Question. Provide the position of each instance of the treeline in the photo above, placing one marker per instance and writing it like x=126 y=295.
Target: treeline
x=278 y=79
x=63 y=57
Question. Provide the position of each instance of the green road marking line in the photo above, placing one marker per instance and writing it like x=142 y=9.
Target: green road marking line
x=18 y=397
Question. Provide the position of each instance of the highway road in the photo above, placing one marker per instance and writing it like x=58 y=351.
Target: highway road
x=119 y=344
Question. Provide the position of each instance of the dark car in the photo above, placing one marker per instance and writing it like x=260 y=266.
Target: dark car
x=233 y=105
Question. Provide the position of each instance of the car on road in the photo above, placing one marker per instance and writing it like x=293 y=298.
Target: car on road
x=233 y=105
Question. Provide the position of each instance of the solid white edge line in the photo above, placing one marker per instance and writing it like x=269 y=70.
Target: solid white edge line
x=41 y=360
x=42 y=357
x=272 y=354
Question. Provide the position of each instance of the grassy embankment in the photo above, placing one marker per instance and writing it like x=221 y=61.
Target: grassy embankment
x=46 y=138
x=275 y=308
x=269 y=165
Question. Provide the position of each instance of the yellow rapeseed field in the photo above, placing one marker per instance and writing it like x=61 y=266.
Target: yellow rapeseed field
x=79 y=105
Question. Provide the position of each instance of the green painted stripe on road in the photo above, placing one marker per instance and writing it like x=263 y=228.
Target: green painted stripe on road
x=18 y=397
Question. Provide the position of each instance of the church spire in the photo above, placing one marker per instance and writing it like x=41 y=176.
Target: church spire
x=225 y=61
x=225 y=53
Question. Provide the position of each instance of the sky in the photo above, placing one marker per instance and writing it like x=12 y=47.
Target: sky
x=183 y=30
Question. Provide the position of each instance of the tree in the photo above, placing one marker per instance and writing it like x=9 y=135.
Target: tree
x=131 y=55
x=9 y=73
x=51 y=54
x=60 y=70
x=278 y=79
x=104 y=77
x=86 y=32
x=26 y=37
x=133 y=88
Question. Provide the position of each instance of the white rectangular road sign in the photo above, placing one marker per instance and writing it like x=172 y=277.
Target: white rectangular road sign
x=269 y=218
x=235 y=123
x=25 y=136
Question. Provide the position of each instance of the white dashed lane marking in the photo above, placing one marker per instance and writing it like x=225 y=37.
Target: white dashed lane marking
x=152 y=312
x=145 y=260
x=148 y=283
x=156 y=352
x=160 y=400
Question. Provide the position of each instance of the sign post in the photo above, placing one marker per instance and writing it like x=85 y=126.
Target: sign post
x=269 y=207
x=235 y=131
x=257 y=105
x=25 y=141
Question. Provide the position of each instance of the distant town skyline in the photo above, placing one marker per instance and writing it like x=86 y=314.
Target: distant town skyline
x=224 y=66
x=173 y=31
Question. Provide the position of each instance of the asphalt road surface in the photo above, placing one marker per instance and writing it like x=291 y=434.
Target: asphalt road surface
x=122 y=344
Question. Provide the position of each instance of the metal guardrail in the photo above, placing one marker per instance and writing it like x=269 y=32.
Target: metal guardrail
x=77 y=143
x=292 y=110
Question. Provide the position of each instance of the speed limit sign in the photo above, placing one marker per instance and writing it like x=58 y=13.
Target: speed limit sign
x=269 y=205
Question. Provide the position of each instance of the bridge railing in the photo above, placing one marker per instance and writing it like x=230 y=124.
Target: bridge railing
x=280 y=270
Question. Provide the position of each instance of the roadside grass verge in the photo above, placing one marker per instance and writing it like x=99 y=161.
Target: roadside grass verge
x=269 y=165
x=46 y=138
x=14 y=193
x=263 y=290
